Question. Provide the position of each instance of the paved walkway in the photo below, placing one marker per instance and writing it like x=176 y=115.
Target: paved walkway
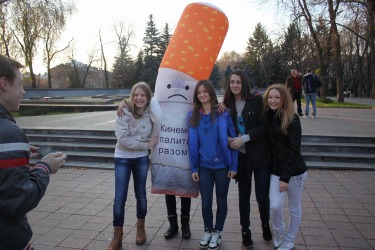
x=76 y=212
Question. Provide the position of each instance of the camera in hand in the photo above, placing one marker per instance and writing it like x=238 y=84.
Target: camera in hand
x=45 y=150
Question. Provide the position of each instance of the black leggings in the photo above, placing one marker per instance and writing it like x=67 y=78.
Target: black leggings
x=170 y=200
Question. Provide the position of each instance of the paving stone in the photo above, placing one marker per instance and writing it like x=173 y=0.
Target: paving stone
x=331 y=225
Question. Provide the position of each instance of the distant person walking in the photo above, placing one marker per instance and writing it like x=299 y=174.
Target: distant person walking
x=212 y=163
x=311 y=83
x=227 y=72
x=288 y=166
x=294 y=85
x=250 y=75
x=136 y=132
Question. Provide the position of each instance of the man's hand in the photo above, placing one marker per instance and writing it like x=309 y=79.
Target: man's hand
x=120 y=111
x=55 y=161
x=34 y=152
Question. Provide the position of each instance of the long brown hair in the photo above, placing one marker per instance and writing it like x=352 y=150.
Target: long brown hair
x=196 y=115
x=229 y=99
x=286 y=110
x=132 y=107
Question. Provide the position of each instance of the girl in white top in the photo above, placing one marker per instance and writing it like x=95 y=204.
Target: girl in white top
x=136 y=132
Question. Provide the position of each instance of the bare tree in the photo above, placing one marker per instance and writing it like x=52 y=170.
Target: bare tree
x=55 y=15
x=124 y=34
x=74 y=77
x=27 y=27
x=371 y=21
x=92 y=57
x=104 y=61
x=5 y=35
x=333 y=12
x=123 y=67
x=3 y=1
x=369 y=8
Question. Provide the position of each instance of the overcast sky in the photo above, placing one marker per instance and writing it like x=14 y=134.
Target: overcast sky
x=91 y=16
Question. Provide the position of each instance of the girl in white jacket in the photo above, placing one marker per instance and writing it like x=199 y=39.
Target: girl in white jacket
x=136 y=132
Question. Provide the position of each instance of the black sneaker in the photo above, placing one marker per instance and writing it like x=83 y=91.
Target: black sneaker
x=246 y=239
x=267 y=235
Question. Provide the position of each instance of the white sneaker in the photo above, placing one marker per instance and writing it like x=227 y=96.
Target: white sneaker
x=205 y=239
x=277 y=240
x=305 y=116
x=215 y=240
x=287 y=245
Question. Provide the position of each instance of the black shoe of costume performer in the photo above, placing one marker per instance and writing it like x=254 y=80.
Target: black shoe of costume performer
x=173 y=227
x=267 y=235
x=300 y=114
x=246 y=239
x=185 y=227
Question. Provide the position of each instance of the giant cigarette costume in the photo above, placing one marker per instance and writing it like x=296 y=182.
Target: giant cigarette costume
x=190 y=57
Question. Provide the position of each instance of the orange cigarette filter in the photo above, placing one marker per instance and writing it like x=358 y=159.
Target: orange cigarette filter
x=197 y=40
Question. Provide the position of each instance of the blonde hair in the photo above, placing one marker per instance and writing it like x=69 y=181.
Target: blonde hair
x=286 y=110
x=132 y=107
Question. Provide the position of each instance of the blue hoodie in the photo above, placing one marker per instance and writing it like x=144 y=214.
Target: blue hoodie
x=208 y=143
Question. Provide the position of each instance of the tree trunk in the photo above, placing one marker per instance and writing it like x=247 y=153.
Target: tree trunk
x=336 y=49
x=32 y=76
x=49 y=78
x=371 y=21
x=318 y=47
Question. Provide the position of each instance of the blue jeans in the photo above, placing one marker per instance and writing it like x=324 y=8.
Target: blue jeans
x=310 y=97
x=262 y=187
x=208 y=178
x=123 y=168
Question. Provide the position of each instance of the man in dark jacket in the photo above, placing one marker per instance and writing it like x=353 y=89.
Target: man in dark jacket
x=294 y=85
x=311 y=83
x=21 y=186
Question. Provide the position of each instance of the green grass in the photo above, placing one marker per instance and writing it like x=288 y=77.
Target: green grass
x=320 y=103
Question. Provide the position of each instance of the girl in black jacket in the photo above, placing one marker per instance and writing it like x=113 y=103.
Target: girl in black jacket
x=254 y=151
x=288 y=166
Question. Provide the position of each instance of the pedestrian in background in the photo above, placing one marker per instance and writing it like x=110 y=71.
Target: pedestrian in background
x=288 y=166
x=136 y=132
x=254 y=151
x=212 y=163
x=21 y=186
x=311 y=83
x=294 y=85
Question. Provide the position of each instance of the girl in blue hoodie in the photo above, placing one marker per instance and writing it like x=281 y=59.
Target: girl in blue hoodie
x=212 y=163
